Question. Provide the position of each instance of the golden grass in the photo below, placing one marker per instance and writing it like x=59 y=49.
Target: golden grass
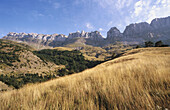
x=4 y=87
x=138 y=80
x=63 y=48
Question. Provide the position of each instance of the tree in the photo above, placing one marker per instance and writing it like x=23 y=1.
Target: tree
x=149 y=44
x=138 y=46
x=159 y=44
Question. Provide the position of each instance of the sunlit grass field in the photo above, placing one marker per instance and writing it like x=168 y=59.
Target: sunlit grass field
x=138 y=80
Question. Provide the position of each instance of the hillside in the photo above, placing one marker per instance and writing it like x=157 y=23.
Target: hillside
x=100 y=53
x=18 y=58
x=20 y=64
x=139 y=79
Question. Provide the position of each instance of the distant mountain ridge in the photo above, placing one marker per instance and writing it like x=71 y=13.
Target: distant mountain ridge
x=138 y=33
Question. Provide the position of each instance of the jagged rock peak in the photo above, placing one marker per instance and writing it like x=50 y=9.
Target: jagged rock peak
x=85 y=34
x=114 y=35
x=44 y=37
x=113 y=32
x=96 y=35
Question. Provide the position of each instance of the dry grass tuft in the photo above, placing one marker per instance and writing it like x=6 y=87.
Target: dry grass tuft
x=138 y=80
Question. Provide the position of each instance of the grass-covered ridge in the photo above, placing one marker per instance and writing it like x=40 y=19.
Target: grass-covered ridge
x=138 y=80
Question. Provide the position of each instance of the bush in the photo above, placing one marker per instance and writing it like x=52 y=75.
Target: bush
x=149 y=44
x=159 y=44
x=138 y=46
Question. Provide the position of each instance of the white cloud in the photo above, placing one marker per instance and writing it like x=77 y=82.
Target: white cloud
x=147 y=10
x=89 y=26
x=120 y=3
x=129 y=2
x=100 y=29
x=110 y=5
x=114 y=4
x=138 y=7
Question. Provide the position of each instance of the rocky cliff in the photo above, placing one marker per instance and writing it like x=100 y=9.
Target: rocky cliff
x=114 y=35
x=91 y=38
x=43 y=39
x=137 y=33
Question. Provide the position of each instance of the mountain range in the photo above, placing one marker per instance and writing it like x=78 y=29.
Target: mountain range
x=137 y=33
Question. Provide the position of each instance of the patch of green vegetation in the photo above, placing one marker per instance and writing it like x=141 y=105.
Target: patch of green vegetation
x=157 y=44
x=73 y=60
x=18 y=81
x=8 y=53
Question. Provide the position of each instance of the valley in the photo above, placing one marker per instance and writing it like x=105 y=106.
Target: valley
x=20 y=64
x=126 y=70
x=139 y=79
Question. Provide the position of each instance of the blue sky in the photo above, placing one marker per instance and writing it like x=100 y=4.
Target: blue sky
x=66 y=16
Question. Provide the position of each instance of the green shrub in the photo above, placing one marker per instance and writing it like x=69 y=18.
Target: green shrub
x=149 y=44
x=159 y=44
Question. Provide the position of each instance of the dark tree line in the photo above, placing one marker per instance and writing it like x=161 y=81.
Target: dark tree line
x=73 y=60
x=157 y=44
x=152 y=44
x=18 y=81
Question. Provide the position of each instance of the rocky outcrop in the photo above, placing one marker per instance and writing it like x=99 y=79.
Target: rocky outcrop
x=88 y=35
x=90 y=38
x=43 y=39
x=136 y=33
x=137 y=29
x=161 y=23
x=114 y=35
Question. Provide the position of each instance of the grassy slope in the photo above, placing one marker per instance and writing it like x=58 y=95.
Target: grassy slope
x=21 y=59
x=63 y=48
x=100 y=53
x=138 y=80
x=4 y=87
